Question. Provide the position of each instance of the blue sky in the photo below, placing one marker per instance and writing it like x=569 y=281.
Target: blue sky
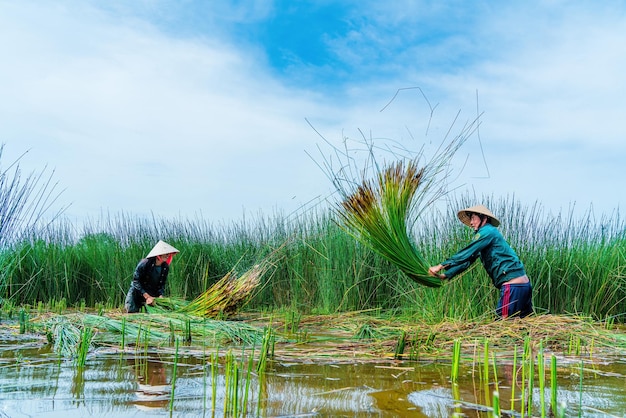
x=214 y=108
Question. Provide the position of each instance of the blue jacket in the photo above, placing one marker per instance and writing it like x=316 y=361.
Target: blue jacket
x=499 y=259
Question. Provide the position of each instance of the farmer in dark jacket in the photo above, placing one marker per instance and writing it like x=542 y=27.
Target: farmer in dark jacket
x=150 y=277
x=498 y=258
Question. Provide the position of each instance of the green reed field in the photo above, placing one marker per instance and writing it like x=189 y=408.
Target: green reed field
x=577 y=264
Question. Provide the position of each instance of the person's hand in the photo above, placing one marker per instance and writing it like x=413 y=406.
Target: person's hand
x=149 y=299
x=434 y=271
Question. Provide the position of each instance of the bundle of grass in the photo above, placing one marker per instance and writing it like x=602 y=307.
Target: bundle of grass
x=376 y=215
x=377 y=208
x=225 y=297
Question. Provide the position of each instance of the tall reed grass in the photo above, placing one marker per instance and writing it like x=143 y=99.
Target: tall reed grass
x=27 y=201
x=576 y=263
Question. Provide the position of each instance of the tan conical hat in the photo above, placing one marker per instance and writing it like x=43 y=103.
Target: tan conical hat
x=161 y=248
x=464 y=215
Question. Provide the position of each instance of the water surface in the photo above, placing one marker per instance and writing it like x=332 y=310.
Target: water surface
x=36 y=382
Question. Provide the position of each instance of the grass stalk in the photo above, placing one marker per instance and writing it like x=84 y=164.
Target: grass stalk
x=496 y=404
x=86 y=335
x=267 y=348
x=456 y=360
x=495 y=373
x=247 y=384
x=580 y=390
x=23 y=321
x=123 y=335
x=542 y=379
x=553 y=386
x=400 y=345
x=486 y=361
x=138 y=338
x=514 y=378
x=174 y=375
x=528 y=364
x=214 y=378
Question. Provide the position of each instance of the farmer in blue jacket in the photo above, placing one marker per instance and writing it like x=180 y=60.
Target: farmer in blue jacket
x=498 y=258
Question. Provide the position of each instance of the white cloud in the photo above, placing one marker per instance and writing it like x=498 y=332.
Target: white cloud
x=121 y=109
x=136 y=110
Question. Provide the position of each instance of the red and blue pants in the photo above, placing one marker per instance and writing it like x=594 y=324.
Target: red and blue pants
x=515 y=300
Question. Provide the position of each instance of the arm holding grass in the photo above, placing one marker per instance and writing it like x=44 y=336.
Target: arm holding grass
x=462 y=260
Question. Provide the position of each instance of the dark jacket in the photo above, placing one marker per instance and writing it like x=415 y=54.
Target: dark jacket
x=499 y=259
x=145 y=282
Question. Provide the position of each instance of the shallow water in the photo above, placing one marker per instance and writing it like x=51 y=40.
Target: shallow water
x=35 y=382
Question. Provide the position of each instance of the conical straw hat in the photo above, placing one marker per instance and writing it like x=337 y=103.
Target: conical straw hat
x=161 y=248
x=464 y=215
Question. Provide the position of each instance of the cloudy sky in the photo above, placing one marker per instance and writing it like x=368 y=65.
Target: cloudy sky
x=224 y=109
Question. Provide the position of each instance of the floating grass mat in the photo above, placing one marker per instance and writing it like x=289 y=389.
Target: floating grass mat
x=224 y=297
x=377 y=213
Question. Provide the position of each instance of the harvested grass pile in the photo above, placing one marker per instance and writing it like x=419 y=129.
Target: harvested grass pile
x=376 y=214
x=347 y=337
x=73 y=333
x=346 y=340
x=223 y=298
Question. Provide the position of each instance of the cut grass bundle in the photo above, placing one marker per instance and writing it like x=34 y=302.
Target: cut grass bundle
x=64 y=335
x=227 y=295
x=376 y=215
x=223 y=298
x=378 y=208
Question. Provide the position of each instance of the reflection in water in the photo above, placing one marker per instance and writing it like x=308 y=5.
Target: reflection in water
x=153 y=390
x=78 y=383
x=433 y=402
x=115 y=384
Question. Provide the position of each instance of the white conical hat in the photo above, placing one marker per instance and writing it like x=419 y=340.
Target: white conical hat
x=161 y=248
x=464 y=215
